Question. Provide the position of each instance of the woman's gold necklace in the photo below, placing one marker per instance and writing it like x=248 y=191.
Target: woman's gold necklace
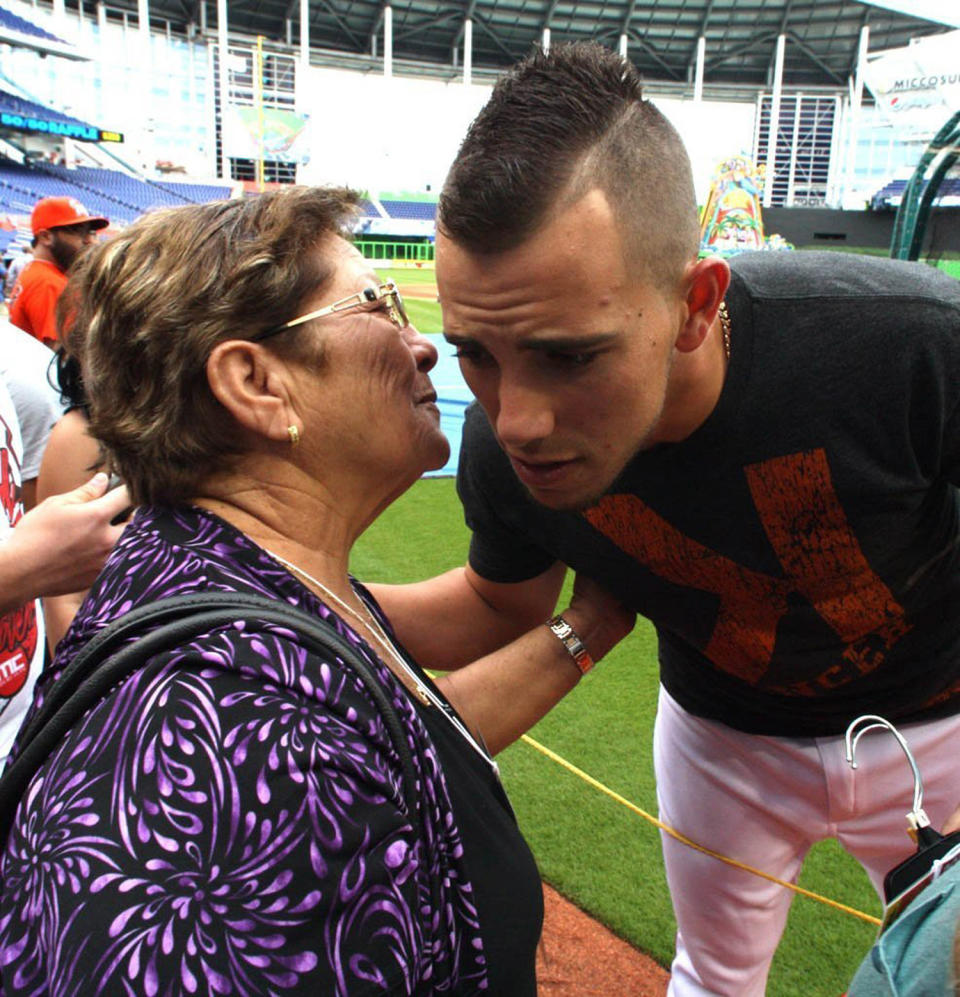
x=368 y=622
x=372 y=626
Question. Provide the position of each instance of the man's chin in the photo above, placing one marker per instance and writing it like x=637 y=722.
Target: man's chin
x=564 y=500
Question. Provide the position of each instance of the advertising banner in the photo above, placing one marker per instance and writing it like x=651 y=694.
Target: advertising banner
x=917 y=88
x=284 y=134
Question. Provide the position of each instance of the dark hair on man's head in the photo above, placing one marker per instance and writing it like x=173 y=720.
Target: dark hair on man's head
x=559 y=125
x=146 y=309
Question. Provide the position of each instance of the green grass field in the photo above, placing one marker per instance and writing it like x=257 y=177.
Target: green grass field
x=411 y=275
x=948 y=261
x=425 y=315
x=596 y=851
x=951 y=267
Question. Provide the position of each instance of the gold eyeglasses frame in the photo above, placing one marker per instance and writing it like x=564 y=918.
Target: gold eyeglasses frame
x=387 y=292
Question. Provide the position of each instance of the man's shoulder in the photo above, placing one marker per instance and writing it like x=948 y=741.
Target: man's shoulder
x=39 y=285
x=484 y=474
x=824 y=275
x=476 y=420
x=38 y=272
x=25 y=367
x=10 y=437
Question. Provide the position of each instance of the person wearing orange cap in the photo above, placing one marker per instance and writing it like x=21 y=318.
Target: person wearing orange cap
x=62 y=229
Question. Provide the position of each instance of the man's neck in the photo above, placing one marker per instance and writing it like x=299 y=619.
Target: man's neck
x=696 y=383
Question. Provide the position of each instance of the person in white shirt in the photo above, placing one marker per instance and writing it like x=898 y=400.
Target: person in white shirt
x=60 y=546
x=25 y=366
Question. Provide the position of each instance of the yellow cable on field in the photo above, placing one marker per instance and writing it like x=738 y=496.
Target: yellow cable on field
x=553 y=756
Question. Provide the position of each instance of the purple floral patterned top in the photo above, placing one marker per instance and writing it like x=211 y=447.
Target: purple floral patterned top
x=235 y=823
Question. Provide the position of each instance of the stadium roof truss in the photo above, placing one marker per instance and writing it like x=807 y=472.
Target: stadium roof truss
x=822 y=36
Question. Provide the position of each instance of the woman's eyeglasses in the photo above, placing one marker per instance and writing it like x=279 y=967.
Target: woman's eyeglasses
x=387 y=293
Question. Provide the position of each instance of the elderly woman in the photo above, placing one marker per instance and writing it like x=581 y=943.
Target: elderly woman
x=233 y=822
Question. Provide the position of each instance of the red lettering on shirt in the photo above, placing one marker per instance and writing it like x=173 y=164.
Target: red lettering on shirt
x=808 y=529
x=18 y=644
x=18 y=629
x=9 y=490
x=821 y=558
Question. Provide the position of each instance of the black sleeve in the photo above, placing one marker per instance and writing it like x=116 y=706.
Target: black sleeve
x=500 y=550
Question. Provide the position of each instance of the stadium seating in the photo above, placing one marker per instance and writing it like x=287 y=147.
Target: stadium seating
x=883 y=197
x=110 y=193
x=122 y=198
x=890 y=195
x=14 y=22
x=22 y=186
x=142 y=194
x=6 y=237
x=419 y=210
x=195 y=192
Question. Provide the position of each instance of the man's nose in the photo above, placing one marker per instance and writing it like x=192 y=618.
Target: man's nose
x=525 y=414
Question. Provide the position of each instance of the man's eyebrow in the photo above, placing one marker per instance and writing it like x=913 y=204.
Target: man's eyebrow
x=568 y=344
x=545 y=344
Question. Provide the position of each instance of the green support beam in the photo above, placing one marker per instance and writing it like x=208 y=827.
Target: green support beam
x=914 y=211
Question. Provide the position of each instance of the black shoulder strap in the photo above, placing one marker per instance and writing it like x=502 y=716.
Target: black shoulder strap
x=129 y=644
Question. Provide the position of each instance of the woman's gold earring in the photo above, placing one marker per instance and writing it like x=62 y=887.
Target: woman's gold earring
x=294 y=435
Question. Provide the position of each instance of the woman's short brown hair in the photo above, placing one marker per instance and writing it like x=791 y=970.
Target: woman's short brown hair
x=148 y=307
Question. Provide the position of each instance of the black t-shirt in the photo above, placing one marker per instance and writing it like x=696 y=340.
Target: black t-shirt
x=799 y=553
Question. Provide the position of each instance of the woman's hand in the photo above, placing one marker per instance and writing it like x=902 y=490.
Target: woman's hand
x=600 y=620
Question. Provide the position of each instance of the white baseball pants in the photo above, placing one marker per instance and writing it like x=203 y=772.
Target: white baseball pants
x=764 y=801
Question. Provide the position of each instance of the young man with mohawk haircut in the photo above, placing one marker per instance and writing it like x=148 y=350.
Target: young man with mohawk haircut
x=761 y=457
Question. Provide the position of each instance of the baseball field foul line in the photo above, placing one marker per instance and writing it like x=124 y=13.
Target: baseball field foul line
x=553 y=756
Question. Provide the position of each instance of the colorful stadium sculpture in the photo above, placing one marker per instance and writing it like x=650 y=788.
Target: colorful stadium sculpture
x=731 y=221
